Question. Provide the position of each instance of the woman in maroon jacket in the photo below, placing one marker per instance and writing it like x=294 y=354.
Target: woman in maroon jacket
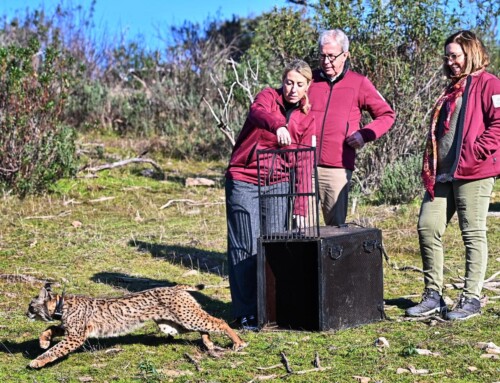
x=461 y=161
x=277 y=118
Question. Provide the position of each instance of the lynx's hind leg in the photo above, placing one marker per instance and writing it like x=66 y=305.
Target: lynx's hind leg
x=205 y=323
x=238 y=343
x=170 y=328
x=210 y=346
x=190 y=315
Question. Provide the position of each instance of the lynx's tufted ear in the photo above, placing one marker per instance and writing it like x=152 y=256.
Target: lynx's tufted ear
x=45 y=291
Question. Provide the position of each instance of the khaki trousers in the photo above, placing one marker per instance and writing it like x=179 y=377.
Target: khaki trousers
x=334 y=194
x=470 y=200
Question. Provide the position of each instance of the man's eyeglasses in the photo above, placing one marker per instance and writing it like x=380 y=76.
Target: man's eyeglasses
x=330 y=57
x=453 y=57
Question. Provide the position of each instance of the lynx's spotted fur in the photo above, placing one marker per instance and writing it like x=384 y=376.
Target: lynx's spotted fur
x=172 y=308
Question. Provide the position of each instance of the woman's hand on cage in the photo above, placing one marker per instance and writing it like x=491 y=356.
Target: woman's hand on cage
x=283 y=136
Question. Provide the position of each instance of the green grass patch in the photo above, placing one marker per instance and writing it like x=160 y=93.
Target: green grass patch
x=107 y=235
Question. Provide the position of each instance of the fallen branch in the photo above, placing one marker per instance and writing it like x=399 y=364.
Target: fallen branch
x=117 y=164
x=318 y=369
x=189 y=202
x=101 y=199
x=193 y=361
x=285 y=362
x=4 y=170
x=270 y=367
x=492 y=277
x=316 y=362
x=491 y=285
x=261 y=378
x=61 y=214
x=408 y=268
x=21 y=278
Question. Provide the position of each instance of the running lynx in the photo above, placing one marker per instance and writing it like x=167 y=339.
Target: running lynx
x=172 y=308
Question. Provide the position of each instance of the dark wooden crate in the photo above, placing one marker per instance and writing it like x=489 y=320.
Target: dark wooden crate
x=331 y=282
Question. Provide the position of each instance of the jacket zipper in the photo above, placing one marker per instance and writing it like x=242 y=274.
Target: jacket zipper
x=324 y=120
x=460 y=126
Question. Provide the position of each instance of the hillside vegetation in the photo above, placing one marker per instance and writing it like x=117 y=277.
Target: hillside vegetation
x=72 y=103
x=61 y=79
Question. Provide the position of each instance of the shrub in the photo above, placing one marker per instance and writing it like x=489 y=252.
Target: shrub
x=400 y=182
x=35 y=148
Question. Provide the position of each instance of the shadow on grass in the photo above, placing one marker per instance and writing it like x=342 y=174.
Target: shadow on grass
x=494 y=206
x=30 y=349
x=129 y=283
x=190 y=257
x=214 y=307
x=402 y=303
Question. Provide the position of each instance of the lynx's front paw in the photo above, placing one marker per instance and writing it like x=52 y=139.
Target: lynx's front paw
x=44 y=343
x=36 y=363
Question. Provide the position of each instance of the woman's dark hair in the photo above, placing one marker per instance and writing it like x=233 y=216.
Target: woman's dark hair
x=476 y=57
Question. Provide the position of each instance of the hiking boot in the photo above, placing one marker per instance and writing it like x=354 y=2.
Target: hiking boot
x=249 y=323
x=466 y=308
x=431 y=303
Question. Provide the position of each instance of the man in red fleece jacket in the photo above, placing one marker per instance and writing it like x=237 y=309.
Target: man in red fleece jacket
x=338 y=96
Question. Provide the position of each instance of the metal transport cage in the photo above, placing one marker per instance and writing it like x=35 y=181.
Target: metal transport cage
x=311 y=277
x=288 y=193
x=331 y=282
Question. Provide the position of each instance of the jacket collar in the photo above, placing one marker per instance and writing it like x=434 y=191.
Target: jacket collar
x=323 y=75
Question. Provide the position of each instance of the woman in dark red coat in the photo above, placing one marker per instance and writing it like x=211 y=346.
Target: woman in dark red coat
x=277 y=118
x=461 y=161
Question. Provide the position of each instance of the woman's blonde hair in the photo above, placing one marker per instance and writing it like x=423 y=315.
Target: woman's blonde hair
x=476 y=57
x=300 y=66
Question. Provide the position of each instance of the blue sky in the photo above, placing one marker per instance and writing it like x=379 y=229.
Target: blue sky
x=134 y=17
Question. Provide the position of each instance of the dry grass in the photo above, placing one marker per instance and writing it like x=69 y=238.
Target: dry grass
x=98 y=246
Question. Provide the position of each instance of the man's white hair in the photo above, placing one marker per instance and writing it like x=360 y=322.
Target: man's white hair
x=334 y=35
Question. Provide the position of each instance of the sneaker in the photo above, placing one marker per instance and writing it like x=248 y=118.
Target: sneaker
x=431 y=303
x=249 y=323
x=466 y=308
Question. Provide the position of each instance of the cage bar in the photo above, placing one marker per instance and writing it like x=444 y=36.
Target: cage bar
x=288 y=193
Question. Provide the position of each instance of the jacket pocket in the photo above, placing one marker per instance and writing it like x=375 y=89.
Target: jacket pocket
x=251 y=155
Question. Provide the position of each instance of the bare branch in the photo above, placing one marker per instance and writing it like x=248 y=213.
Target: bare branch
x=270 y=367
x=222 y=126
x=193 y=361
x=316 y=362
x=286 y=363
x=492 y=277
x=123 y=163
x=319 y=369
x=189 y=202
x=245 y=85
x=22 y=278
x=61 y=214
